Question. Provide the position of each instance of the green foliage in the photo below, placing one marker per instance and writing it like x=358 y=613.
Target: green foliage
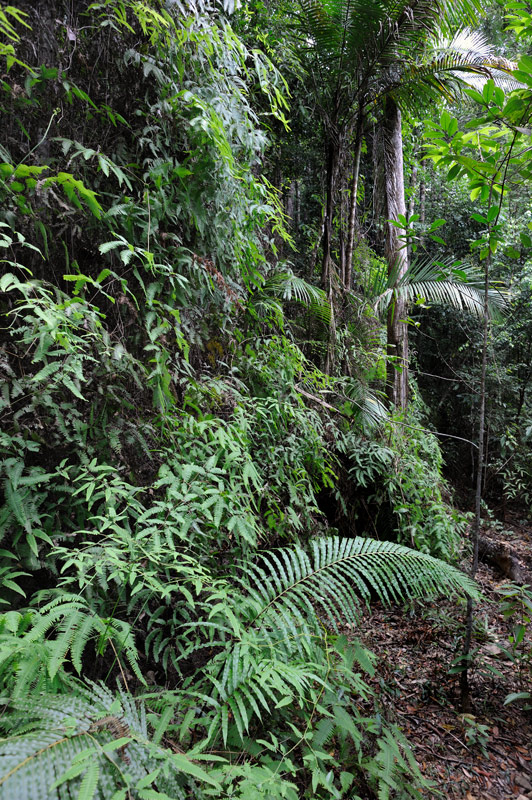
x=95 y=742
x=166 y=426
x=516 y=604
x=404 y=476
x=455 y=284
x=271 y=652
x=31 y=657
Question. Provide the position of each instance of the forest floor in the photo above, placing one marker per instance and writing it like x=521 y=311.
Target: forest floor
x=488 y=755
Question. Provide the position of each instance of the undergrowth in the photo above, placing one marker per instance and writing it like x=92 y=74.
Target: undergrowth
x=173 y=595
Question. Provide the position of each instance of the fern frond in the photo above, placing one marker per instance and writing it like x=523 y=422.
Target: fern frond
x=285 y=602
x=63 y=626
x=289 y=287
x=90 y=743
x=338 y=575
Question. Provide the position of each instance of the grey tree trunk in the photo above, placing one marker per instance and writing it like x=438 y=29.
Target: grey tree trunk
x=396 y=255
x=353 y=207
x=290 y=203
x=332 y=164
x=465 y=691
x=412 y=202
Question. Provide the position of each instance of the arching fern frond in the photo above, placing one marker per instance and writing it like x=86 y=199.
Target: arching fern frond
x=339 y=573
x=285 y=603
x=285 y=286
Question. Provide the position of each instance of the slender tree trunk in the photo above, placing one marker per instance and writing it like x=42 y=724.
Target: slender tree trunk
x=396 y=256
x=412 y=202
x=422 y=195
x=422 y=203
x=353 y=206
x=332 y=163
x=413 y=187
x=290 y=203
x=465 y=693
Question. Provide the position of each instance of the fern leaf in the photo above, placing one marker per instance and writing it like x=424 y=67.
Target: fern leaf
x=89 y=784
x=344 y=571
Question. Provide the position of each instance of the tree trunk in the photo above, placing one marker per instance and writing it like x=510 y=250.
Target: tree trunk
x=422 y=195
x=422 y=202
x=353 y=206
x=475 y=531
x=412 y=202
x=396 y=256
x=332 y=162
x=290 y=203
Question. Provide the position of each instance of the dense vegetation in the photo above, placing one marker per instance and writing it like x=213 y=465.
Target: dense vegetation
x=244 y=245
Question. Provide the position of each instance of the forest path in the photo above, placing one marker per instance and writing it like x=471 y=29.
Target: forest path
x=489 y=755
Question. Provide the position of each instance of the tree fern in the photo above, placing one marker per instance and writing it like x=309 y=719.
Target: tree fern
x=92 y=743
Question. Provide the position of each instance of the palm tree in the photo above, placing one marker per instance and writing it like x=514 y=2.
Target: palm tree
x=366 y=55
x=441 y=69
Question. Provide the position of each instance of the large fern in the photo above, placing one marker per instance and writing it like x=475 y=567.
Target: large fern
x=92 y=743
x=273 y=631
x=338 y=574
x=37 y=646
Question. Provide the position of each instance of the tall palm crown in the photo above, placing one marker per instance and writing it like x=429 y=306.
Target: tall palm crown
x=360 y=47
x=381 y=55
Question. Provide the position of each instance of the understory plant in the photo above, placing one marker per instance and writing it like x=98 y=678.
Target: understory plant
x=516 y=605
x=173 y=597
x=262 y=676
x=400 y=473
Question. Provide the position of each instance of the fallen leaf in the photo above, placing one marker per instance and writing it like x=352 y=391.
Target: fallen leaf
x=523 y=782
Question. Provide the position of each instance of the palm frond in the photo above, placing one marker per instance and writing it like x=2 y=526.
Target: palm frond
x=372 y=411
x=446 y=66
x=439 y=282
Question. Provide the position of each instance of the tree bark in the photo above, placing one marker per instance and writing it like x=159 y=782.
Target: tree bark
x=332 y=163
x=396 y=256
x=290 y=203
x=465 y=691
x=412 y=202
x=353 y=207
x=422 y=196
